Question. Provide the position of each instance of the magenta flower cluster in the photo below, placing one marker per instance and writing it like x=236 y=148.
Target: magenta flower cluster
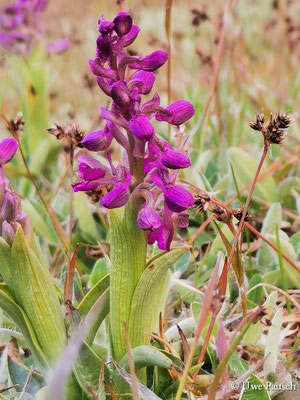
x=11 y=214
x=21 y=27
x=150 y=165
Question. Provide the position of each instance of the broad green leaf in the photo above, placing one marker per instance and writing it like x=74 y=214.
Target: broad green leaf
x=5 y=265
x=286 y=187
x=18 y=375
x=17 y=314
x=148 y=296
x=144 y=356
x=295 y=242
x=7 y=334
x=128 y=261
x=101 y=310
x=35 y=99
x=245 y=167
x=272 y=218
x=273 y=343
x=238 y=365
x=86 y=221
x=93 y=295
x=87 y=368
x=254 y=389
x=34 y=291
x=255 y=330
x=100 y=270
x=187 y=326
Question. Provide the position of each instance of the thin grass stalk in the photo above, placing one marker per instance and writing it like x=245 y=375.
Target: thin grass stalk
x=241 y=224
x=206 y=306
x=282 y=274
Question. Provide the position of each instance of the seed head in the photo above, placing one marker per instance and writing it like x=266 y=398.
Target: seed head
x=274 y=131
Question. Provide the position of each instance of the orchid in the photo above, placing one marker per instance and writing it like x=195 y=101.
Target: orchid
x=21 y=26
x=130 y=122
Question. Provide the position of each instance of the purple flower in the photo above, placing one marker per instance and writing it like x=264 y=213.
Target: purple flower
x=178 y=199
x=149 y=219
x=8 y=148
x=181 y=111
x=151 y=62
x=175 y=160
x=59 y=46
x=122 y=23
x=143 y=81
x=120 y=94
x=143 y=176
x=119 y=195
x=90 y=169
x=97 y=141
x=141 y=128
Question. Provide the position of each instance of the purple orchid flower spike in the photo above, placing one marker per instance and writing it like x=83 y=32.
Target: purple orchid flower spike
x=129 y=121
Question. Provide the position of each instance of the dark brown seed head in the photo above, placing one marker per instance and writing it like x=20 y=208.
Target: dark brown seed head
x=201 y=202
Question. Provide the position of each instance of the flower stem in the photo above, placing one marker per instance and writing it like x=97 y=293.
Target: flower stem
x=241 y=224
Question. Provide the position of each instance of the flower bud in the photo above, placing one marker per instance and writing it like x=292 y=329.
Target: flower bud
x=104 y=26
x=151 y=62
x=143 y=81
x=8 y=232
x=141 y=128
x=178 y=199
x=8 y=148
x=149 y=219
x=174 y=159
x=181 y=111
x=9 y=207
x=116 y=198
x=97 y=141
x=122 y=23
x=120 y=94
x=104 y=46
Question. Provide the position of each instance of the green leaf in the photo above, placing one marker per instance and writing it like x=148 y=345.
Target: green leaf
x=245 y=167
x=256 y=295
x=292 y=276
x=17 y=314
x=272 y=219
x=5 y=265
x=40 y=220
x=35 y=99
x=273 y=343
x=238 y=365
x=295 y=242
x=149 y=295
x=18 y=375
x=254 y=389
x=34 y=291
x=100 y=270
x=128 y=261
x=144 y=356
x=93 y=295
